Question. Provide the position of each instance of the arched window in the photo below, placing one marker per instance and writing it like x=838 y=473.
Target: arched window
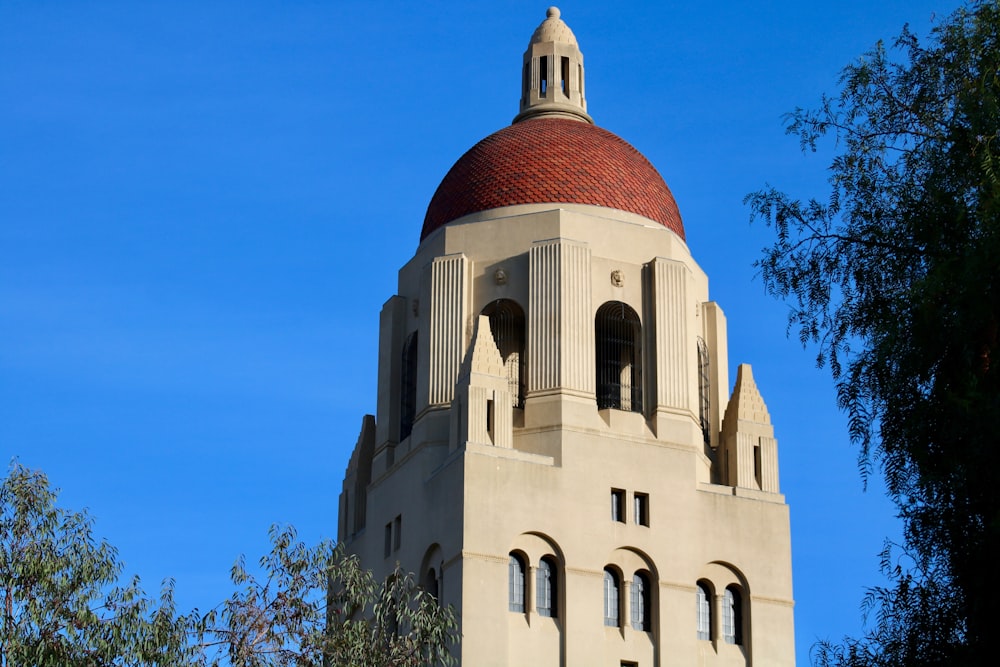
x=704 y=612
x=732 y=616
x=408 y=387
x=641 y=604
x=704 y=392
x=619 y=379
x=546 y=587
x=612 y=587
x=507 y=325
x=515 y=574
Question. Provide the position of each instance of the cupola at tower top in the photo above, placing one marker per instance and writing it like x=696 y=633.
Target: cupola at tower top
x=552 y=73
x=552 y=153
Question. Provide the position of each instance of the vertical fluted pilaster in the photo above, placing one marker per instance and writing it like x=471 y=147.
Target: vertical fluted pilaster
x=560 y=326
x=768 y=465
x=675 y=351
x=448 y=315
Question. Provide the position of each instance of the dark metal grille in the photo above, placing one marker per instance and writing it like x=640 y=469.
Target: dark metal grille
x=408 y=387
x=507 y=325
x=619 y=379
x=704 y=392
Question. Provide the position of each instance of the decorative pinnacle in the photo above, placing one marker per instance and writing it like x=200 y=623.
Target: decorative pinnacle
x=552 y=12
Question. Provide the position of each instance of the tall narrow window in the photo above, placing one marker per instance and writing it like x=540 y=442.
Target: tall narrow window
x=507 y=326
x=387 y=548
x=617 y=334
x=564 y=78
x=641 y=509
x=543 y=76
x=704 y=612
x=757 y=471
x=526 y=83
x=408 y=387
x=546 y=587
x=704 y=392
x=641 y=607
x=612 y=586
x=618 y=505
x=732 y=616
x=515 y=575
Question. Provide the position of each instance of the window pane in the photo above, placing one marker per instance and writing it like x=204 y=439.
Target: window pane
x=641 y=602
x=731 y=617
x=704 y=614
x=545 y=588
x=610 y=599
x=617 y=505
x=516 y=579
x=641 y=509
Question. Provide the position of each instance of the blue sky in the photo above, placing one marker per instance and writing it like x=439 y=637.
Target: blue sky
x=203 y=207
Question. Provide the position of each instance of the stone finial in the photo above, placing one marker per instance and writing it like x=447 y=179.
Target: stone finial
x=483 y=357
x=481 y=410
x=751 y=452
x=553 y=29
x=746 y=403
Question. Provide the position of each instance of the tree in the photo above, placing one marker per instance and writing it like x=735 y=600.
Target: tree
x=896 y=280
x=318 y=606
x=310 y=606
x=62 y=604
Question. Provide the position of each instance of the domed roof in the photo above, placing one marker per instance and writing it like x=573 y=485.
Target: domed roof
x=552 y=160
x=553 y=29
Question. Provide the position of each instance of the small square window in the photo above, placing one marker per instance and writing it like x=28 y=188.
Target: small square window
x=641 y=509
x=629 y=663
x=618 y=505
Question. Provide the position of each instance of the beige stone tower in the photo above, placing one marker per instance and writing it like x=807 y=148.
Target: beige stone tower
x=554 y=451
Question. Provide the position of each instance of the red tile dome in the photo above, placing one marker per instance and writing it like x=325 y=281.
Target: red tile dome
x=552 y=160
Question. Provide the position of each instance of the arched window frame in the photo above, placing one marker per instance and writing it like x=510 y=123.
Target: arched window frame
x=703 y=600
x=516 y=595
x=642 y=605
x=408 y=387
x=617 y=341
x=507 y=324
x=547 y=587
x=732 y=616
x=612 y=598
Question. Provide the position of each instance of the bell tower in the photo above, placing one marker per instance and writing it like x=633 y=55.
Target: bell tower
x=556 y=451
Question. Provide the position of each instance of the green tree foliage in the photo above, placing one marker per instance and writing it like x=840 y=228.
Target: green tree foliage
x=896 y=279
x=62 y=604
x=318 y=606
x=304 y=606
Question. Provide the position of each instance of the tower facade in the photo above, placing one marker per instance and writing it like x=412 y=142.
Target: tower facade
x=556 y=451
